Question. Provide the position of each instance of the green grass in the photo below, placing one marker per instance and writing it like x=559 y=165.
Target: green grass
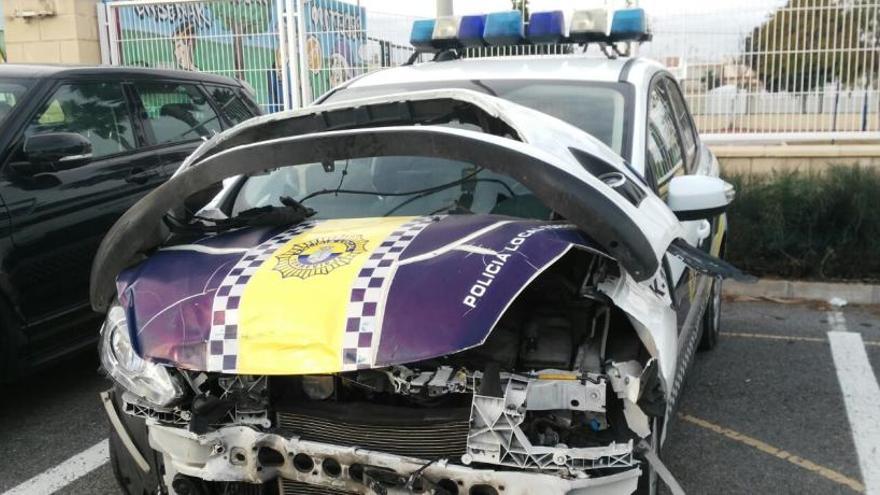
x=807 y=226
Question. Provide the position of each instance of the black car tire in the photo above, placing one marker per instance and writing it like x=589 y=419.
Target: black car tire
x=132 y=480
x=712 y=318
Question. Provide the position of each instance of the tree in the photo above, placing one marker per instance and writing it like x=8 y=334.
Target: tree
x=242 y=18
x=807 y=44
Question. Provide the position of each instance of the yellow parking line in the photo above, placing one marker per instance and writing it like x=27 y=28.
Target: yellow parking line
x=766 y=448
x=788 y=337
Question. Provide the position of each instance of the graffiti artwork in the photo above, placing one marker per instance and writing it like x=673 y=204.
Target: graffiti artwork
x=240 y=38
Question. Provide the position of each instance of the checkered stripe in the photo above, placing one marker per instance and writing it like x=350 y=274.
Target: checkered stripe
x=223 y=340
x=364 y=310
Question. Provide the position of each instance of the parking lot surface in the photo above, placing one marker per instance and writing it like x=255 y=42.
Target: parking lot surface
x=762 y=413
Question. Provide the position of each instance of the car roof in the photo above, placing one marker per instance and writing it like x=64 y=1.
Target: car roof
x=554 y=67
x=64 y=71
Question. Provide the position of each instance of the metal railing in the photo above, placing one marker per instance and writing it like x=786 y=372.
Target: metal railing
x=289 y=51
x=805 y=69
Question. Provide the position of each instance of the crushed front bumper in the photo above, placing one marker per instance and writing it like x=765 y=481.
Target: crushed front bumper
x=242 y=454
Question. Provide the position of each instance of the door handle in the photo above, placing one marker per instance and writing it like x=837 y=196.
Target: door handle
x=139 y=176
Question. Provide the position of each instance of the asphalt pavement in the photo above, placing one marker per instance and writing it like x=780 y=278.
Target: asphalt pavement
x=762 y=413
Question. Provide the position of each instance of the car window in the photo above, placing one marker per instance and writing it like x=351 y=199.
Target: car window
x=97 y=111
x=599 y=109
x=667 y=155
x=231 y=104
x=685 y=125
x=390 y=185
x=177 y=112
x=11 y=92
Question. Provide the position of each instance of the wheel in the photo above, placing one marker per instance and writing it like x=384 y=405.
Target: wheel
x=712 y=318
x=132 y=480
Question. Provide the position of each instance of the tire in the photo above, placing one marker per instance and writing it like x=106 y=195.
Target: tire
x=131 y=479
x=712 y=318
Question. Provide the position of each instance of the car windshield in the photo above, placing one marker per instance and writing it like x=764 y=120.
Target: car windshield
x=12 y=91
x=599 y=109
x=390 y=186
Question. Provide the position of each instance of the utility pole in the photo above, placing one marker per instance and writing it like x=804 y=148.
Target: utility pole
x=444 y=7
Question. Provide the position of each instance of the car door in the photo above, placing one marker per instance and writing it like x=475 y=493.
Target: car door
x=667 y=155
x=61 y=209
x=177 y=117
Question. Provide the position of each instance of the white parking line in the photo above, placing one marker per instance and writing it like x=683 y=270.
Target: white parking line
x=67 y=472
x=861 y=395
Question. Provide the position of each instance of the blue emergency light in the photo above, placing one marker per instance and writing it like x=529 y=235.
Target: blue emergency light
x=470 y=30
x=507 y=28
x=546 y=27
x=422 y=35
x=504 y=28
x=629 y=25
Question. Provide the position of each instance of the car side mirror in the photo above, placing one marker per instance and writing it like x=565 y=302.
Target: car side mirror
x=697 y=197
x=59 y=150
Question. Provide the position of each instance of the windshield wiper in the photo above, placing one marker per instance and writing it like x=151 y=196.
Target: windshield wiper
x=291 y=212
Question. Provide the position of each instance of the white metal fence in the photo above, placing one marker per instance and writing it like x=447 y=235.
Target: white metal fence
x=764 y=67
x=289 y=51
x=804 y=68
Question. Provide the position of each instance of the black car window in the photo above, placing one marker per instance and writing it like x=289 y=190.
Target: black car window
x=97 y=111
x=666 y=158
x=230 y=104
x=11 y=92
x=177 y=112
x=685 y=125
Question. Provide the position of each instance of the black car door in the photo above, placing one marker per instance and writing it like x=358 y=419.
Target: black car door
x=61 y=207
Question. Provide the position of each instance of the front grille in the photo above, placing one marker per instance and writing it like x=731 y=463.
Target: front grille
x=290 y=487
x=422 y=433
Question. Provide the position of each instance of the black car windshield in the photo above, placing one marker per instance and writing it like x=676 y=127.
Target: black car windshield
x=12 y=91
x=599 y=109
x=390 y=186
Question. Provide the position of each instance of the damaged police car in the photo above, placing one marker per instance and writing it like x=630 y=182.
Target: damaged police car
x=423 y=290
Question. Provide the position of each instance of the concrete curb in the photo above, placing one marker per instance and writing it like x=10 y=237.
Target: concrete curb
x=817 y=291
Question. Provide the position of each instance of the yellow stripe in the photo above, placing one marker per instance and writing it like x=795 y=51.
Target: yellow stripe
x=292 y=320
x=715 y=249
x=766 y=448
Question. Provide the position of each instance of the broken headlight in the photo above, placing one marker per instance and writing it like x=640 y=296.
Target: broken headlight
x=149 y=381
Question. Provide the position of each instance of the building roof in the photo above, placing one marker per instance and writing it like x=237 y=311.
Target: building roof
x=59 y=71
x=557 y=67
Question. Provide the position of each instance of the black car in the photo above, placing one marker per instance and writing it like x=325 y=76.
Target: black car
x=78 y=147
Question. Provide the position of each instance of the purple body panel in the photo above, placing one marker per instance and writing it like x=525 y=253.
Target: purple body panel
x=460 y=295
x=446 y=296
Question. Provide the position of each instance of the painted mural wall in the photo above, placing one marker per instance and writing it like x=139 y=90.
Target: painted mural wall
x=239 y=38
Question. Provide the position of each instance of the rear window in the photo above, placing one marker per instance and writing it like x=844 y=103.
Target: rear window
x=177 y=112
x=11 y=92
x=599 y=109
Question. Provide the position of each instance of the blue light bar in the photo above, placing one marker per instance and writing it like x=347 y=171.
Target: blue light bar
x=470 y=30
x=629 y=25
x=546 y=27
x=421 y=36
x=504 y=28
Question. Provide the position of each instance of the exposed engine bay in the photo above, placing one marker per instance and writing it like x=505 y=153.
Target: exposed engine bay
x=563 y=386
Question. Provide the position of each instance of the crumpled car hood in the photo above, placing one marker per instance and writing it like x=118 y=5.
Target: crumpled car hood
x=335 y=295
